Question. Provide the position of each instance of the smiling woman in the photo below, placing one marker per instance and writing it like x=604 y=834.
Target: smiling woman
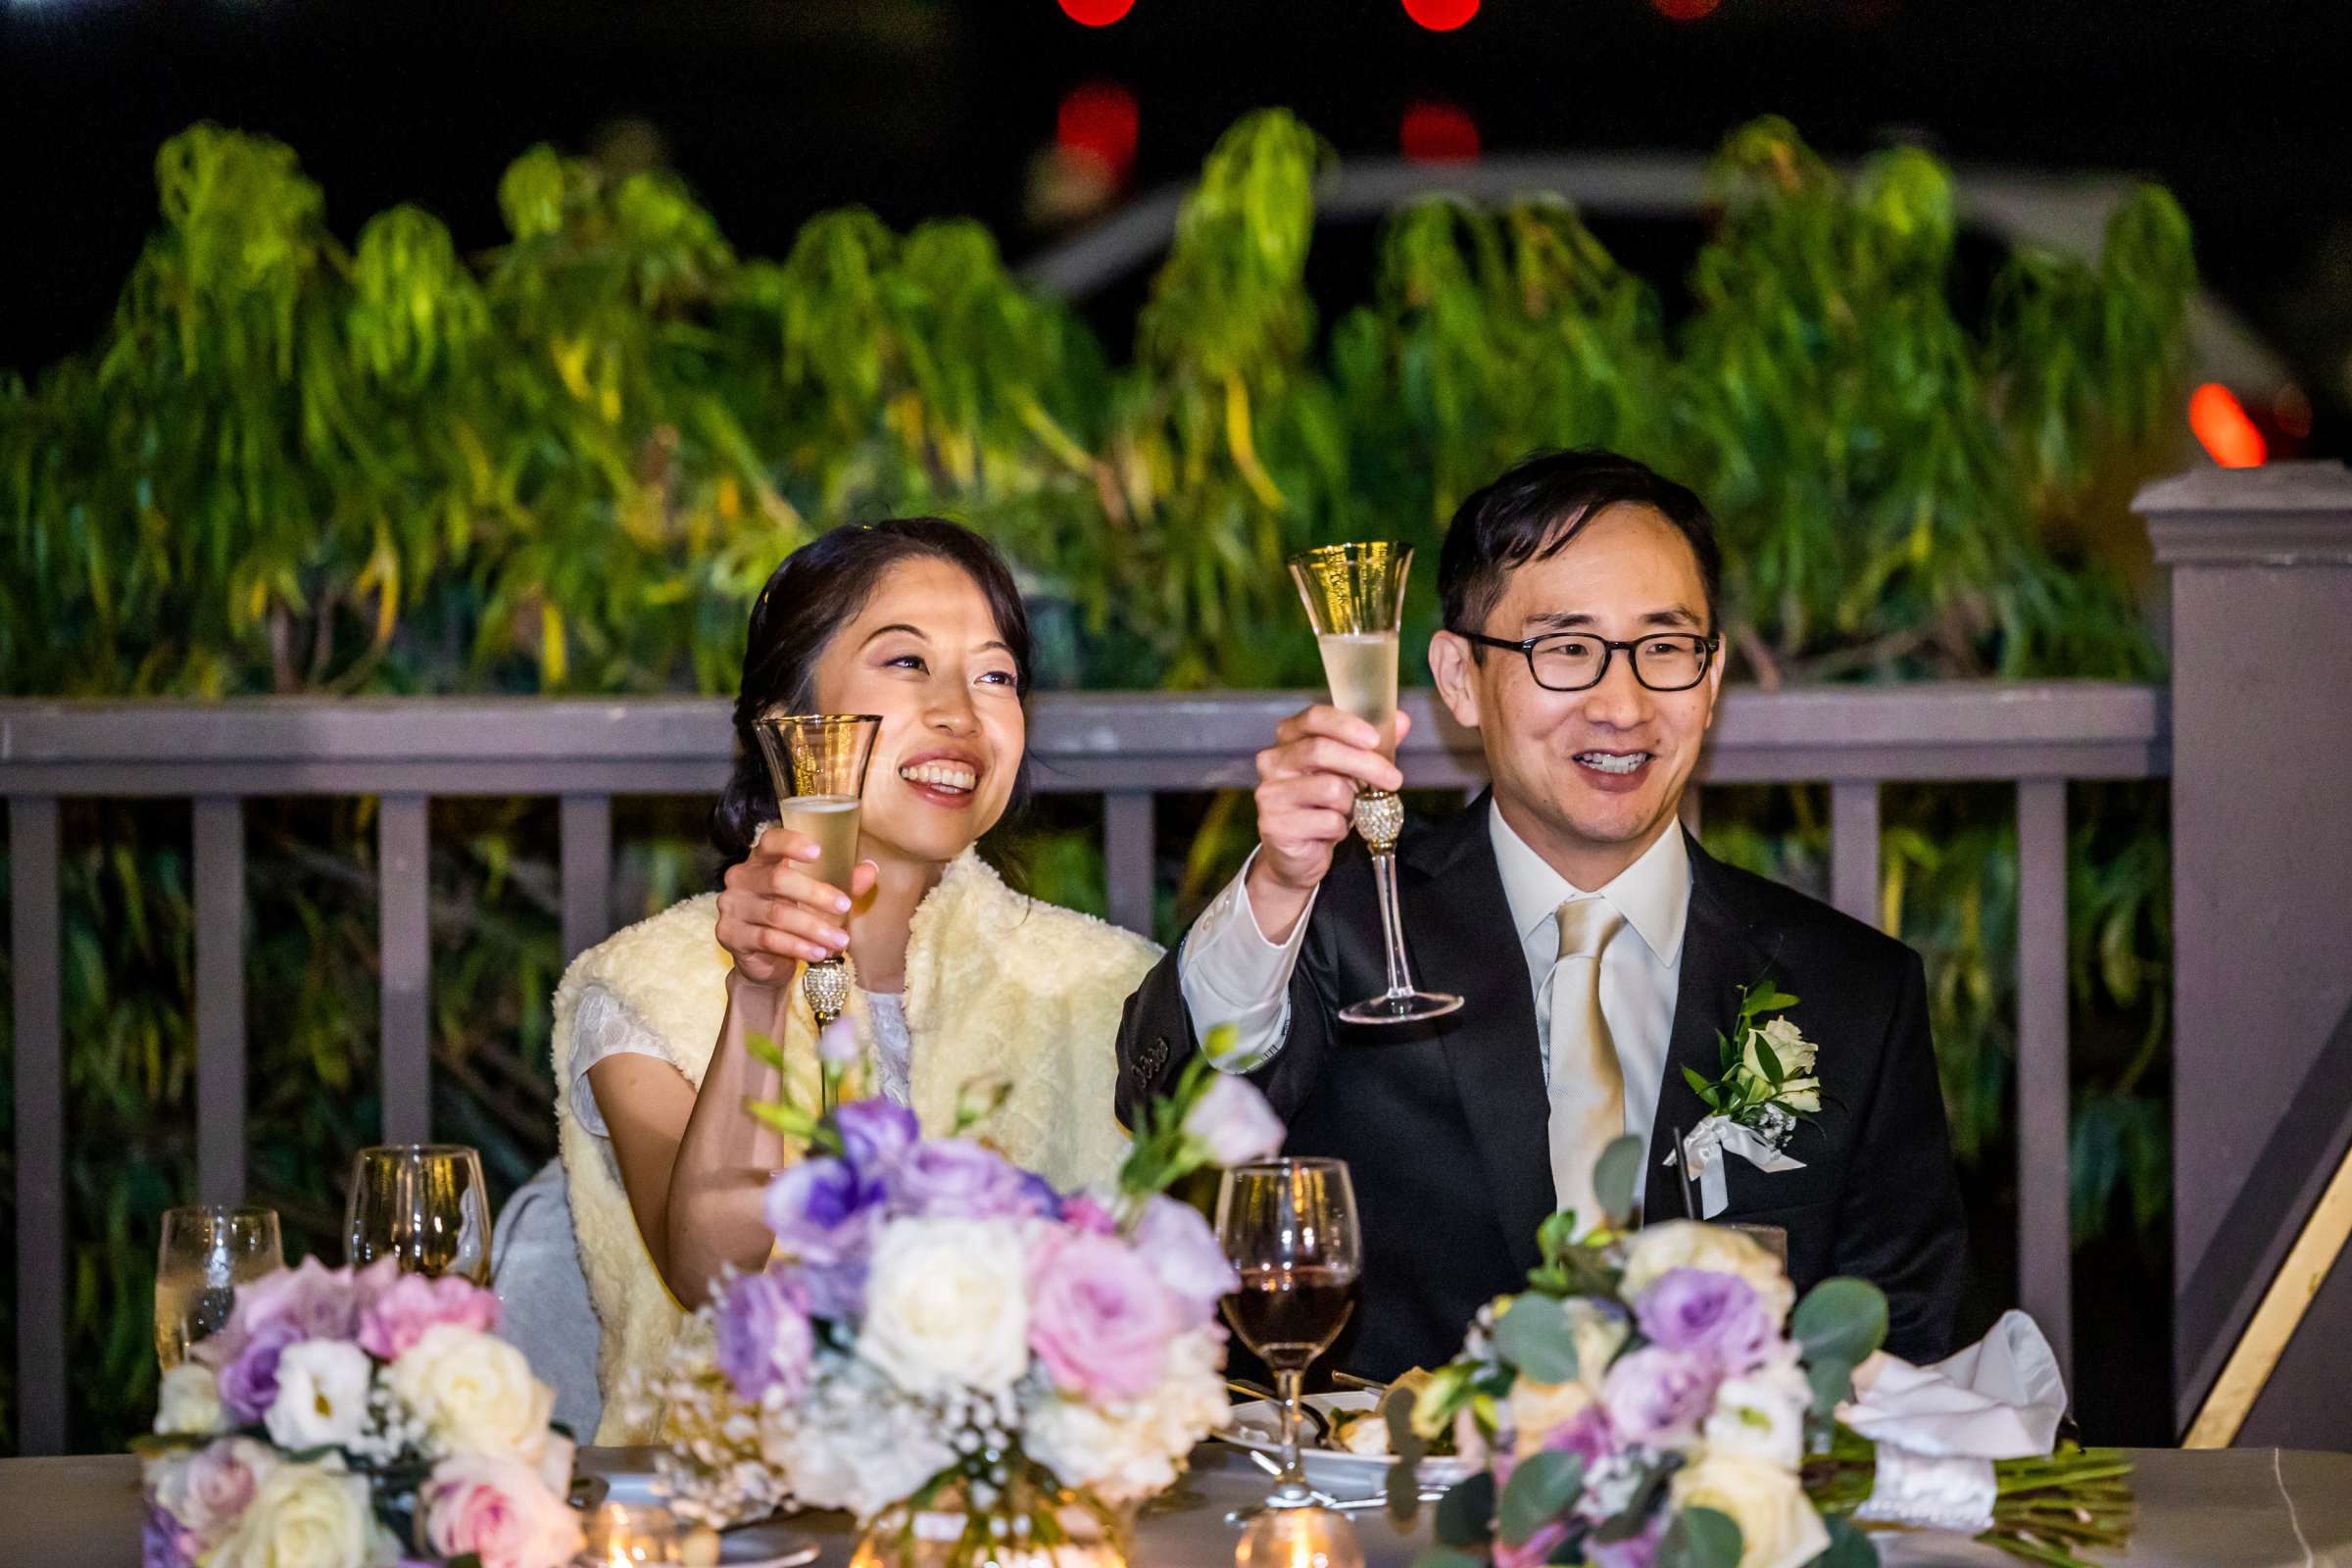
x=959 y=981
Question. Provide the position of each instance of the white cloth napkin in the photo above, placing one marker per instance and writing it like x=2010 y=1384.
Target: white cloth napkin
x=1938 y=1428
x=1707 y=1144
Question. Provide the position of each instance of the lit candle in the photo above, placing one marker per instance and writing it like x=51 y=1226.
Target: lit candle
x=624 y=1535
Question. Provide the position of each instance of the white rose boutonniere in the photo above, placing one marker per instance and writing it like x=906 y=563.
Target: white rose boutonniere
x=1766 y=1086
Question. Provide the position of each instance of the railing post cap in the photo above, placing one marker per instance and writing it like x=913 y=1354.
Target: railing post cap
x=2278 y=515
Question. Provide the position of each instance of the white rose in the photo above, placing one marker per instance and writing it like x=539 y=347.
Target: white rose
x=188 y=1404
x=1688 y=1243
x=322 y=1394
x=1795 y=1051
x=946 y=1304
x=475 y=1393
x=1233 y=1122
x=1598 y=1334
x=855 y=1441
x=1537 y=1410
x=1802 y=1093
x=1126 y=1450
x=1761 y=1416
x=1779 y=1527
x=302 y=1516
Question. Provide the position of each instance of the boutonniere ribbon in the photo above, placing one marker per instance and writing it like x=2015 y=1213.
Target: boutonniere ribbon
x=1707 y=1144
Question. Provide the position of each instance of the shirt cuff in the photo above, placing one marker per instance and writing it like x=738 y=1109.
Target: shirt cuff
x=1230 y=974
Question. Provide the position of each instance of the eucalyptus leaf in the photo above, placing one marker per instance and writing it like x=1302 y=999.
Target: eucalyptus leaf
x=1699 y=1538
x=1849 y=1547
x=1465 y=1515
x=1535 y=1337
x=1541 y=1487
x=1844 y=1319
x=1617 y=1177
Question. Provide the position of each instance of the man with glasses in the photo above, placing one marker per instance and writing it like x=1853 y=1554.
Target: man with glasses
x=1599 y=949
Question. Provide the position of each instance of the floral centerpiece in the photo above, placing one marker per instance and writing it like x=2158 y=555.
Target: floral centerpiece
x=346 y=1419
x=973 y=1363
x=1661 y=1398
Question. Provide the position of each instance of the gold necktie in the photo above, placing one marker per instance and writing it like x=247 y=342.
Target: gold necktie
x=1587 y=1084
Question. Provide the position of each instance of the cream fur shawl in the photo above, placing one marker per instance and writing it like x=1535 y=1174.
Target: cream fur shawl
x=997 y=984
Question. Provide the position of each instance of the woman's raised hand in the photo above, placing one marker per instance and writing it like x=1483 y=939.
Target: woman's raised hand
x=774 y=914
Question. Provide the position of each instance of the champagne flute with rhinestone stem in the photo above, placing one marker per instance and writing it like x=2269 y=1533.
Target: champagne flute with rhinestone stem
x=1354 y=596
x=817 y=764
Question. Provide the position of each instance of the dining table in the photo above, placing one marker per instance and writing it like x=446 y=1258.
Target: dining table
x=2220 y=1508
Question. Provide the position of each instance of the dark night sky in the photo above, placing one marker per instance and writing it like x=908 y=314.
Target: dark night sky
x=774 y=109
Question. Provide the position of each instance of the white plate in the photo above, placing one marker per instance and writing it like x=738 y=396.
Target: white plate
x=1346 y=1477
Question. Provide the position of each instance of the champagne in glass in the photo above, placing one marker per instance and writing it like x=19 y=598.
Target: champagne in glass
x=205 y=1254
x=831 y=820
x=424 y=1205
x=1361 y=668
x=1354 y=596
x=1289 y=1227
x=817 y=764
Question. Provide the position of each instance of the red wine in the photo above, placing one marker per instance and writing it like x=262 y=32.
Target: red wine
x=1289 y=1316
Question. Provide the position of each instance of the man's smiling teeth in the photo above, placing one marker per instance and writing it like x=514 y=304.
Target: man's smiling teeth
x=941 y=775
x=1611 y=762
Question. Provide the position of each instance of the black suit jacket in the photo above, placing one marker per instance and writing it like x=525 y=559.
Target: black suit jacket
x=1443 y=1124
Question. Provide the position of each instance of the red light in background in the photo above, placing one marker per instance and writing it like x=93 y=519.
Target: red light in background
x=1684 y=10
x=1437 y=133
x=1096 y=13
x=2222 y=428
x=1097 y=120
x=1441 y=15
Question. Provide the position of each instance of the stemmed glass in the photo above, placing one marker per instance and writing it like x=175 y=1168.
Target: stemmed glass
x=1354 y=596
x=817 y=764
x=424 y=1205
x=1289 y=1227
x=206 y=1253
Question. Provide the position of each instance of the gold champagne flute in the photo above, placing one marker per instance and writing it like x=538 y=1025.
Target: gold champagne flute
x=206 y=1253
x=424 y=1205
x=1355 y=595
x=817 y=764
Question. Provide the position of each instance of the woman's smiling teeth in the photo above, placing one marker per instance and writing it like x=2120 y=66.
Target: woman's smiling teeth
x=940 y=776
x=1612 y=762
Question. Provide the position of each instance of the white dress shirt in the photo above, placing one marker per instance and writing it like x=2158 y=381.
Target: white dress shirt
x=1230 y=973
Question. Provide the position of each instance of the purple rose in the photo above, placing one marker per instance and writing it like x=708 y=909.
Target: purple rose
x=1587 y=1434
x=314 y=1298
x=1098 y=1318
x=1037 y=1197
x=1696 y=1311
x=1082 y=1212
x=163 y=1544
x=954 y=1178
x=821 y=1213
x=875 y=1135
x=249 y=1380
x=1181 y=1248
x=764 y=1340
x=1657 y=1398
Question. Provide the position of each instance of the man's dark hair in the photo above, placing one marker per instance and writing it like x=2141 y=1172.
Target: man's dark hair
x=1536 y=509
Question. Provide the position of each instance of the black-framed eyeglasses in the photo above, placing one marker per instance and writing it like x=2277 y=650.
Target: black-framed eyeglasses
x=1577 y=661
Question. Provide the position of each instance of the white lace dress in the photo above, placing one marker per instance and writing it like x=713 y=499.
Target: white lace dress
x=605 y=1026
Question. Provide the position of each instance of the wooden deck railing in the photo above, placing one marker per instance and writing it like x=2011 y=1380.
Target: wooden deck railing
x=1125 y=748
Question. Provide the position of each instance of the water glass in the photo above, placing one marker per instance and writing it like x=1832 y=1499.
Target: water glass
x=206 y=1253
x=424 y=1205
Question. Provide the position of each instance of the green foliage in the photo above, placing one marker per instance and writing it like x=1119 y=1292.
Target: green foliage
x=296 y=466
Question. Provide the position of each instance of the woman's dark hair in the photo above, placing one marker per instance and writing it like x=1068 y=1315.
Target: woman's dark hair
x=1538 y=506
x=819 y=589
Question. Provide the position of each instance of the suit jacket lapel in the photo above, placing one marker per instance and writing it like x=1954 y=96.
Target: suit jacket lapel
x=1458 y=924
x=1719 y=956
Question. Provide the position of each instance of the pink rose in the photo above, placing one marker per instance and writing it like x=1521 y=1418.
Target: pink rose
x=497 y=1509
x=208 y=1492
x=1099 y=1318
x=1232 y=1122
x=1185 y=1255
x=396 y=1319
